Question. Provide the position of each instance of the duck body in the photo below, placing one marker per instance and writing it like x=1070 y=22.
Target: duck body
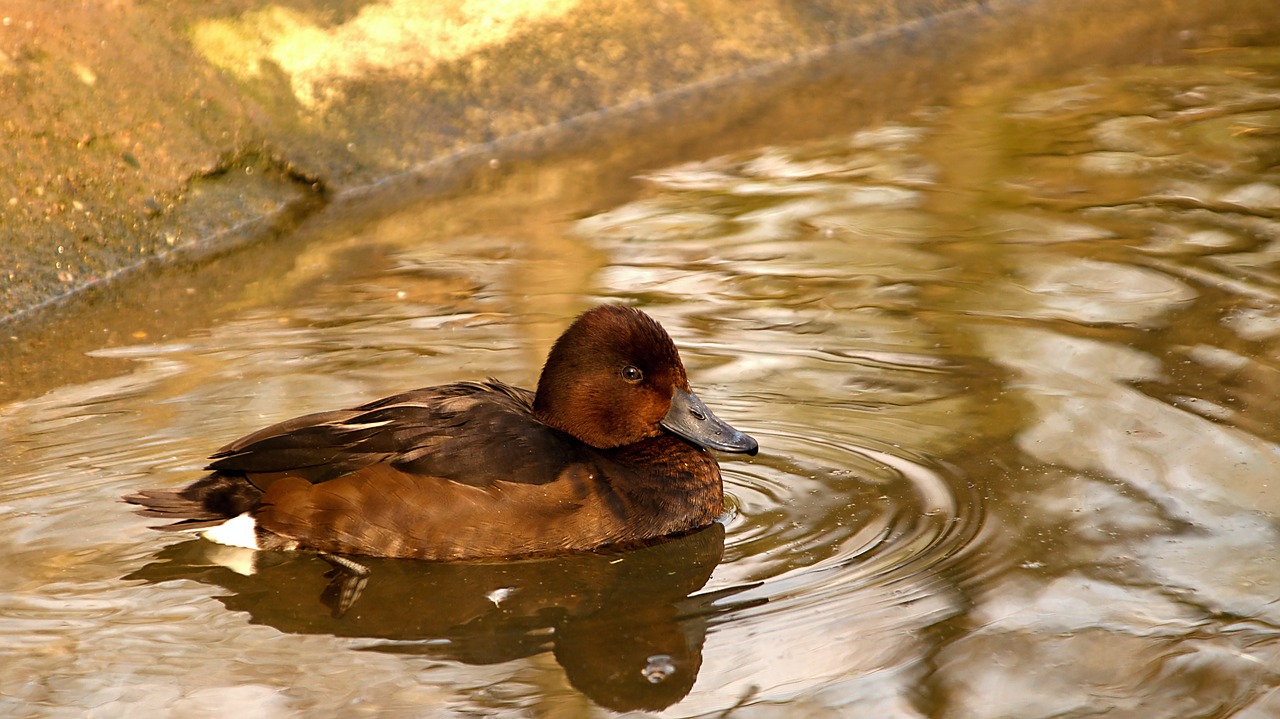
x=611 y=449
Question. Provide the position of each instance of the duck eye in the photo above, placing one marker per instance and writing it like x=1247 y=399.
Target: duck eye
x=632 y=374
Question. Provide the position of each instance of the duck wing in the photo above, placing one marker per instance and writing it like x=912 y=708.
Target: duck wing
x=473 y=433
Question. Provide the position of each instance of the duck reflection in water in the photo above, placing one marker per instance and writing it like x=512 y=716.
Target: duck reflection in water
x=626 y=626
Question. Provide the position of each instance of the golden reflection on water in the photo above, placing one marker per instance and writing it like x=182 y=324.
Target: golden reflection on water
x=1013 y=365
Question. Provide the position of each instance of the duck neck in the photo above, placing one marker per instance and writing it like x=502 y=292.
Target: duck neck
x=679 y=480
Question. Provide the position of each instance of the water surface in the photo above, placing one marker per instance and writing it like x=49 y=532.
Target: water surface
x=1014 y=365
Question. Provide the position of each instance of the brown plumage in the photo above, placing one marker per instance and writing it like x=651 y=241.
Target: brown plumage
x=609 y=450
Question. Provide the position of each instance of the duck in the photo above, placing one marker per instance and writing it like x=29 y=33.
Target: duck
x=612 y=449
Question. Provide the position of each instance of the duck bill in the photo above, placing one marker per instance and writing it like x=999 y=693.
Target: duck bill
x=690 y=418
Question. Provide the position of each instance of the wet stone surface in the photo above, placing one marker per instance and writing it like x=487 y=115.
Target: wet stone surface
x=134 y=130
x=1013 y=368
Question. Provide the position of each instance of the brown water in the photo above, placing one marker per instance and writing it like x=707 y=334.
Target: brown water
x=1014 y=365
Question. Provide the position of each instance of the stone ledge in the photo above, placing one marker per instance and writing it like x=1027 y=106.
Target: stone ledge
x=144 y=133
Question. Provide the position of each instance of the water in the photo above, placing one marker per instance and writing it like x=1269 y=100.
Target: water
x=1013 y=364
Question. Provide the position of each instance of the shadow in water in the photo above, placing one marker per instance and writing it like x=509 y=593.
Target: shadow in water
x=627 y=627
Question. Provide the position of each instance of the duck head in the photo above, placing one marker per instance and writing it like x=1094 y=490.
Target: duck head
x=615 y=378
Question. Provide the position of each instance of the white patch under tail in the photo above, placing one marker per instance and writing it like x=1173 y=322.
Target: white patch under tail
x=241 y=531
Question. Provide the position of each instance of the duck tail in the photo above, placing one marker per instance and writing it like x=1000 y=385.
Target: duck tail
x=205 y=503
